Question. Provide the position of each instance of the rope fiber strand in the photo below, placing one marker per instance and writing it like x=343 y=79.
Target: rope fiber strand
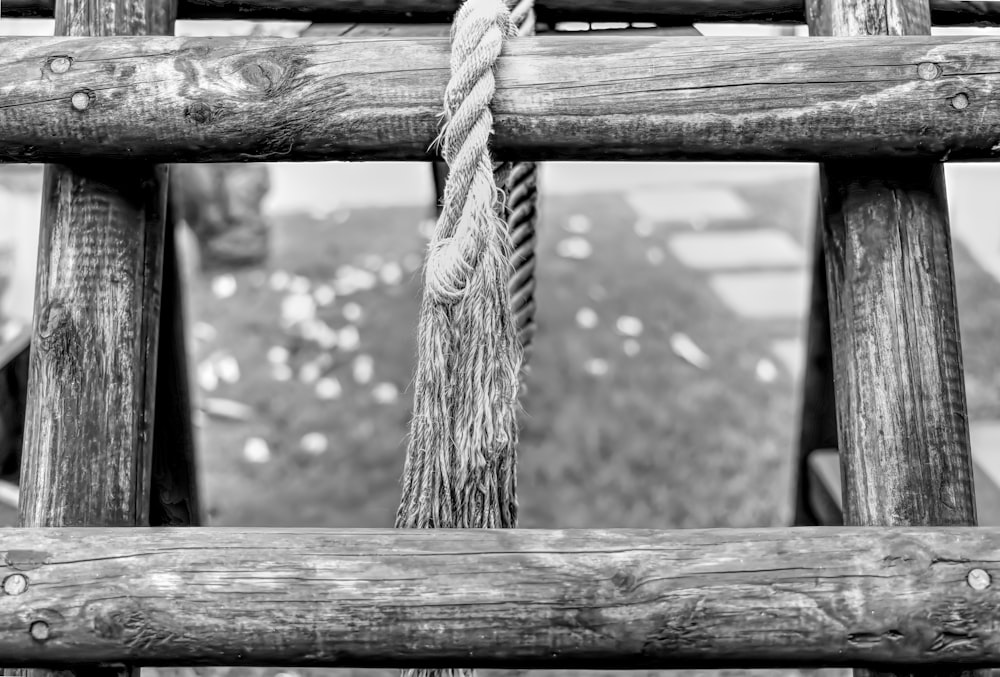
x=460 y=469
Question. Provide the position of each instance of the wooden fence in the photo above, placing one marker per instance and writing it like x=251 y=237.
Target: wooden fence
x=881 y=113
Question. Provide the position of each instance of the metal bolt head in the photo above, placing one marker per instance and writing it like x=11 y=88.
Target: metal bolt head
x=80 y=100
x=979 y=579
x=960 y=101
x=928 y=70
x=39 y=630
x=60 y=64
x=15 y=584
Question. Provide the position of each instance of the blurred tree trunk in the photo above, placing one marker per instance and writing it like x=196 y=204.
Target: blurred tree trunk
x=221 y=204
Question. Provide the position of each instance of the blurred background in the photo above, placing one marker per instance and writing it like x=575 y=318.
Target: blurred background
x=665 y=378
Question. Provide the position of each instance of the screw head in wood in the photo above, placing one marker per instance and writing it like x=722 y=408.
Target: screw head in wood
x=39 y=631
x=15 y=584
x=928 y=70
x=979 y=579
x=60 y=64
x=960 y=101
x=80 y=100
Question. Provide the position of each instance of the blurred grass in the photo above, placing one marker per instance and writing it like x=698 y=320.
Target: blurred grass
x=655 y=442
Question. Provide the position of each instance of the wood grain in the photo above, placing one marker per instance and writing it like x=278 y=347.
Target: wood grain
x=92 y=377
x=89 y=418
x=245 y=99
x=665 y=13
x=901 y=411
x=900 y=390
x=897 y=353
x=825 y=464
x=502 y=598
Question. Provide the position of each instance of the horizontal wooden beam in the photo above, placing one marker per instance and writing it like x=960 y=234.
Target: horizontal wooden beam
x=663 y=12
x=273 y=99
x=501 y=598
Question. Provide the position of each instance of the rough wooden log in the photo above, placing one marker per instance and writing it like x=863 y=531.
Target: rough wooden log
x=664 y=13
x=501 y=598
x=900 y=393
x=240 y=99
x=900 y=389
x=89 y=419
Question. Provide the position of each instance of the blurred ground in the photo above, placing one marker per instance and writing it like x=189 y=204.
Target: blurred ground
x=610 y=404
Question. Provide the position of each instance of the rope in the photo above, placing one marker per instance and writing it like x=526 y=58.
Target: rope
x=477 y=308
x=522 y=196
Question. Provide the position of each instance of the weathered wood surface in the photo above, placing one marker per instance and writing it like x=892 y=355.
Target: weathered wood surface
x=88 y=428
x=501 y=598
x=900 y=387
x=237 y=99
x=92 y=378
x=825 y=466
x=665 y=13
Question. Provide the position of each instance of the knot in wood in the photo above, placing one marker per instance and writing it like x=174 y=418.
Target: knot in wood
x=624 y=581
x=199 y=112
x=55 y=322
x=264 y=76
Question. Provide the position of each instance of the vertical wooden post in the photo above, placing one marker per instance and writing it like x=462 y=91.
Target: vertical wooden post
x=92 y=377
x=900 y=391
x=901 y=410
x=819 y=415
x=174 y=500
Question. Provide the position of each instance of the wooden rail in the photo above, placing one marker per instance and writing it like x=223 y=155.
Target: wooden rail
x=663 y=12
x=501 y=598
x=233 y=99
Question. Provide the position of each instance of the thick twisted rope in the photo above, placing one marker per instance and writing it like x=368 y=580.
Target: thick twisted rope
x=459 y=467
x=460 y=462
x=521 y=183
